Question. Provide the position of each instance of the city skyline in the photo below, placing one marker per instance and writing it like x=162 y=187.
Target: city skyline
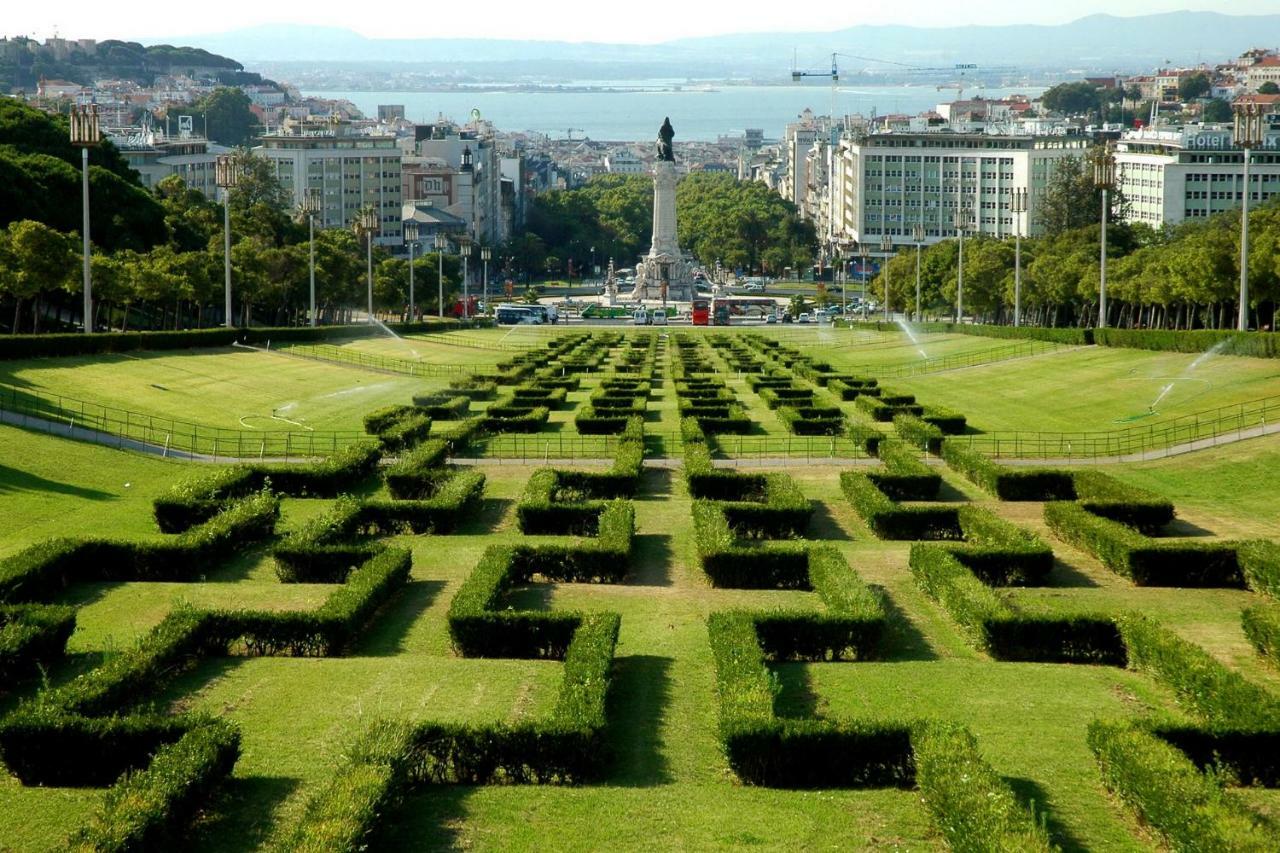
x=579 y=21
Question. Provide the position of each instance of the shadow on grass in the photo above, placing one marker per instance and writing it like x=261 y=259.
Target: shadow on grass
x=950 y=494
x=823 y=525
x=655 y=485
x=242 y=817
x=1182 y=528
x=796 y=697
x=238 y=568
x=392 y=624
x=492 y=513
x=902 y=641
x=16 y=480
x=1031 y=793
x=638 y=700
x=427 y=819
x=1064 y=574
x=651 y=560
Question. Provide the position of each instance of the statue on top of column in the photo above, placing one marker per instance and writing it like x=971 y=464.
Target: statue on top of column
x=665 y=134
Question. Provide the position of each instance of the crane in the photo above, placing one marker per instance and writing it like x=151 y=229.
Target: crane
x=570 y=131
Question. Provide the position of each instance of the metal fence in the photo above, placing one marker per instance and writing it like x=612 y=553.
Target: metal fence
x=340 y=355
x=58 y=415
x=789 y=446
x=1238 y=421
x=962 y=359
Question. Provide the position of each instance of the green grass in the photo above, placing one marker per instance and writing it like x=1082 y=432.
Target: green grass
x=668 y=784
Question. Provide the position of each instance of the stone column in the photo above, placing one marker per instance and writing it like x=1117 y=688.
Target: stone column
x=664 y=210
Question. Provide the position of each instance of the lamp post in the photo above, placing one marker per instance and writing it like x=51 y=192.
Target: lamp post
x=1248 y=135
x=1018 y=207
x=226 y=175
x=486 y=253
x=84 y=135
x=960 y=219
x=411 y=237
x=917 y=234
x=309 y=208
x=593 y=263
x=1104 y=178
x=886 y=251
x=440 y=243
x=464 y=249
x=366 y=225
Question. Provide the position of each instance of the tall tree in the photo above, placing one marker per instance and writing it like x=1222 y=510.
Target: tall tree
x=227 y=114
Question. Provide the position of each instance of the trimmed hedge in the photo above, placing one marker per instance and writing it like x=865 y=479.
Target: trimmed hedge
x=1141 y=559
x=1190 y=809
x=949 y=422
x=866 y=437
x=40 y=571
x=443 y=407
x=1261 y=624
x=885 y=408
x=1065 y=335
x=1008 y=484
x=971 y=803
x=891 y=520
x=195 y=501
x=918 y=432
x=1225 y=341
x=501 y=419
x=812 y=420
x=415 y=475
x=32 y=637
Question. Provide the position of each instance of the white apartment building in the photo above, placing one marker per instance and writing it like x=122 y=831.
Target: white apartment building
x=350 y=169
x=796 y=142
x=887 y=183
x=473 y=159
x=1169 y=176
x=623 y=162
x=156 y=156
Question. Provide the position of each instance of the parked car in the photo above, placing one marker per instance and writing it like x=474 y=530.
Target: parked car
x=640 y=317
x=804 y=317
x=771 y=318
x=755 y=287
x=660 y=317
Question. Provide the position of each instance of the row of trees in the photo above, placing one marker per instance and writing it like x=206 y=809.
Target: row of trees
x=743 y=224
x=1180 y=277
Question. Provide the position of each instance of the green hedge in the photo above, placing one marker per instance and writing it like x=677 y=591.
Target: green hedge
x=1077 y=337
x=152 y=808
x=416 y=473
x=949 y=422
x=918 y=432
x=196 y=500
x=812 y=420
x=32 y=638
x=1261 y=624
x=1141 y=559
x=1190 y=809
x=884 y=409
x=891 y=520
x=1008 y=484
x=1254 y=344
x=506 y=419
x=443 y=407
x=970 y=802
x=852 y=387
x=40 y=571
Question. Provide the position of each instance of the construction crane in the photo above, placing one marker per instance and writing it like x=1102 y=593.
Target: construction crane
x=569 y=132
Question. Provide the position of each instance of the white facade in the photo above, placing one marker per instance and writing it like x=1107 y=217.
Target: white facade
x=890 y=182
x=623 y=163
x=351 y=170
x=1171 y=176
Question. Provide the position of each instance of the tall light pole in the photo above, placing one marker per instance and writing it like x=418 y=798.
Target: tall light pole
x=226 y=175
x=440 y=243
x=863 y=255
x=1018 y=207
x=84 y=135
x=411 y=237
x=886 y=250
x=960 y=219
x=366 y=225
x=310 y=207
x=1104 y=178
x=917 y=234
x=1248 y=135
x=593 y=265
x=485 y=255
x=464 y=249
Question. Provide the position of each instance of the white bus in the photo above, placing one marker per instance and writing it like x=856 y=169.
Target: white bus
x=513 y=315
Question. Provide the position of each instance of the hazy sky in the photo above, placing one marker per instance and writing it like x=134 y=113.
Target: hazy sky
x=570 y=20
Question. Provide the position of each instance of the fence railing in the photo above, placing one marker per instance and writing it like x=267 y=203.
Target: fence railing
x=354 y=358
x=789 y=446
x=954 y=361
x=66 y=416
x=1230 y=422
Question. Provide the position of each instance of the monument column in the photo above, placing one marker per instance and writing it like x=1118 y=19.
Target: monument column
x=664 y=209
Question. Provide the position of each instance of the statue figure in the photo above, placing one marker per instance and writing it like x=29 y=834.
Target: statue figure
x=665 y=134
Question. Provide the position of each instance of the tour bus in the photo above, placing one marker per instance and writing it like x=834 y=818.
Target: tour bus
x=701 y=313
x=547 y=313
x=512 y=315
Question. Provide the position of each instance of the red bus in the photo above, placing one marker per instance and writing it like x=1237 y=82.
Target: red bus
x=701 y=313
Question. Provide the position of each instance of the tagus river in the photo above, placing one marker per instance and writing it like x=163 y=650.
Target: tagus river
x=697 y=112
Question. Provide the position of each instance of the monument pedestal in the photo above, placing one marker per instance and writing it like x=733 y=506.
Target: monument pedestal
x=665 y=265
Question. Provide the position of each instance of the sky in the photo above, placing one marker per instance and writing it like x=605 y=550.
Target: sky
x=645 y=21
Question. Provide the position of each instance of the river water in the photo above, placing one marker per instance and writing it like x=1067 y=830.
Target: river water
x=697 y=113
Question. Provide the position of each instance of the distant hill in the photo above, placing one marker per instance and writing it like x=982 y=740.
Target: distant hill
x=119 y=60
x=1096 y=43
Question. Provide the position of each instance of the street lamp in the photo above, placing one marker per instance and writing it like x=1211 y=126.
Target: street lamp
x=84 y=135
x=593 y=261
x=309 y=208
x=1018 y=207
x=485 y=254
x=411 y=237
x=1104 y=178
x=366 y=225
x=440 y=243
x=1248 y=135
x=862 y=254
x=226 y=176
x=961 y=220
x=917 y=234
x=464 y=249
x=886 y=250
